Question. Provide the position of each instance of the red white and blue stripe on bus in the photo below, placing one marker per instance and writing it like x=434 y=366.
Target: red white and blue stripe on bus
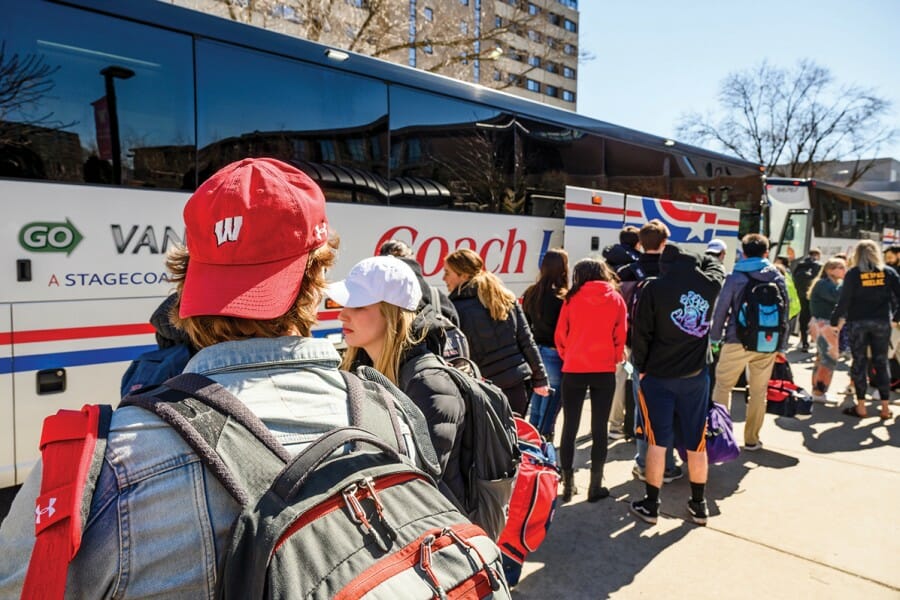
x=94 y=356
x=687 y=226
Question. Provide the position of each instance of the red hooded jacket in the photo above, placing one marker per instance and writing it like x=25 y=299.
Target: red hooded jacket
x=590 y=334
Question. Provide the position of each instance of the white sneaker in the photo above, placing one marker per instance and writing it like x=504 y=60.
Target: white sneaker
x=614 y=434
x=822 y=399
x=753 y=447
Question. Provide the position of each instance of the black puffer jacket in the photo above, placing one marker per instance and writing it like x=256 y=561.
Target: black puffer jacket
x=504 y=350
x=439 y=399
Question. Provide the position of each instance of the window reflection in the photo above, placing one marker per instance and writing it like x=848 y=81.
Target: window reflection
x=55 y=124
x=462 y=152
x=333 y=125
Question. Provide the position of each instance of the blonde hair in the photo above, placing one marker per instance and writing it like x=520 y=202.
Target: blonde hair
x=867 y=257
x=207 y=330
x=397 y=338
x=492 y=294
x=831 y=263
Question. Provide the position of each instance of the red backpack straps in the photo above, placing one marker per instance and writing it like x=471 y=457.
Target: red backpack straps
x=69 y=447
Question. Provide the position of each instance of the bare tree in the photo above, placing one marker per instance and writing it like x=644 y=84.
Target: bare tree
x=24 y=81
x=793 y=120
x=381 y=28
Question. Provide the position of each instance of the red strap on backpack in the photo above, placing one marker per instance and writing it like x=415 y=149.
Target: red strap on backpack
x=68 y=440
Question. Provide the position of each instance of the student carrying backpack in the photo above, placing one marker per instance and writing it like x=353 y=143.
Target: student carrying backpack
x=749 y=328
x=321 y=524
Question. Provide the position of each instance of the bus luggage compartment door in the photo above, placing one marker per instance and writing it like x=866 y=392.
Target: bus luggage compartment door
x=66 y=354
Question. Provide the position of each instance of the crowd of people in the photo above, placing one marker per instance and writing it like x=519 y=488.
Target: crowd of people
x=650 y=333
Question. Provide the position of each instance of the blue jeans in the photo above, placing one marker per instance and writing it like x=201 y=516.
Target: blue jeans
x=545 y=408
x=641 y=456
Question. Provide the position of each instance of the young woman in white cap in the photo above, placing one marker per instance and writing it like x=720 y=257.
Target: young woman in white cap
x=382 y=329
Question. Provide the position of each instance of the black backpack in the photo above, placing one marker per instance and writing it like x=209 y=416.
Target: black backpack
x=350 y=516
x=490 y=452
x=760 y=316
x=455 y=344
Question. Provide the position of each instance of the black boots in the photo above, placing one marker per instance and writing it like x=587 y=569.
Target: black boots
x=568 y=479
x=596 y=491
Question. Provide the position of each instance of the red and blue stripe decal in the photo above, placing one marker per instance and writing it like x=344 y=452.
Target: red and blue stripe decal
x=93 y=356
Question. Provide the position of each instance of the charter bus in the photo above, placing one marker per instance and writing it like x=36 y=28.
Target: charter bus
x=112 y=112
x=807 y=213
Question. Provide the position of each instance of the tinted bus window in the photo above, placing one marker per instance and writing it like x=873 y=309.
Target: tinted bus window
x=80 y=86
x=554 y=157
x=461 y=153
x=333 y=125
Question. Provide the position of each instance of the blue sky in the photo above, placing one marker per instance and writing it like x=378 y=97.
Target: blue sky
x=655 y=60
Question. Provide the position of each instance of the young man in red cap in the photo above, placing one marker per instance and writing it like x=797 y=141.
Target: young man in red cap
x=249 y=284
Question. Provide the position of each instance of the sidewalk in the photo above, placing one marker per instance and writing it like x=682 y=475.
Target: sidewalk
x=814 y=513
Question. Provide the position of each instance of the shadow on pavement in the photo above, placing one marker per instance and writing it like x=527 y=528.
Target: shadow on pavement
x=621 y=546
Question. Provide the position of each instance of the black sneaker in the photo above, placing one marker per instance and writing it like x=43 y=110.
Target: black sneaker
x=672 y=474
x=698 y=511
x=645 y=510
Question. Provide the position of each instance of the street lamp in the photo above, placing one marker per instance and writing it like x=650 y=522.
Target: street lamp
x=110 y=73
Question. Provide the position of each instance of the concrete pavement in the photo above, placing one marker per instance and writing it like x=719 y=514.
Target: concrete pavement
x=814 y=513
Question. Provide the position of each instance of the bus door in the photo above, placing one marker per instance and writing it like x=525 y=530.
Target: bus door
x=795 y=234
x=7 y=433
x=593 y=221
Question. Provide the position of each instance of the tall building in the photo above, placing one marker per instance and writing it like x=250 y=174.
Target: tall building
x=526 y=47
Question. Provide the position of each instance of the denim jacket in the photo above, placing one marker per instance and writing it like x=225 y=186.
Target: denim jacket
x=159 y=521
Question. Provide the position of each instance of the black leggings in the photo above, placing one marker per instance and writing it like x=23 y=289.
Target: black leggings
x=870 y=336
x=574 y=387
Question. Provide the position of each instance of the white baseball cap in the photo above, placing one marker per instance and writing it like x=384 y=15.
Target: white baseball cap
x=716 y=246
x=377 y=279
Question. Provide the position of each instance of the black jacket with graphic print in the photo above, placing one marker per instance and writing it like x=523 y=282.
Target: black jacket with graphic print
x=670 y=333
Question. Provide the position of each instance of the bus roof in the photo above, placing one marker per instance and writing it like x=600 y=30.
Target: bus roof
x=831 y=188
x=196 y=23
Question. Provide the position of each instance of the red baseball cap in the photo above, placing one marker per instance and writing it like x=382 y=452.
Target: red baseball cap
x=249 y=230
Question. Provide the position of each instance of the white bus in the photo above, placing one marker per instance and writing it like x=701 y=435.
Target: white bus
x=113 y=112
x=806 y=213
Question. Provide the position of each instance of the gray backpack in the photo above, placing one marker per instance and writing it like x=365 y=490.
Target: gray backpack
x=351 y=516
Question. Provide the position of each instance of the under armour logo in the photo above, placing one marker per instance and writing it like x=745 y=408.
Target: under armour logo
x=40 y=511
x=227 y=230
x=321 y=230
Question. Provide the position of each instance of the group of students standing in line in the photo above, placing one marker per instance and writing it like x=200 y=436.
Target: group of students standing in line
x=682 y=348
x=248 y=305
x=850 y=305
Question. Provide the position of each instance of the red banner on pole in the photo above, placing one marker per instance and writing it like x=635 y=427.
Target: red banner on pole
x=101 y=123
